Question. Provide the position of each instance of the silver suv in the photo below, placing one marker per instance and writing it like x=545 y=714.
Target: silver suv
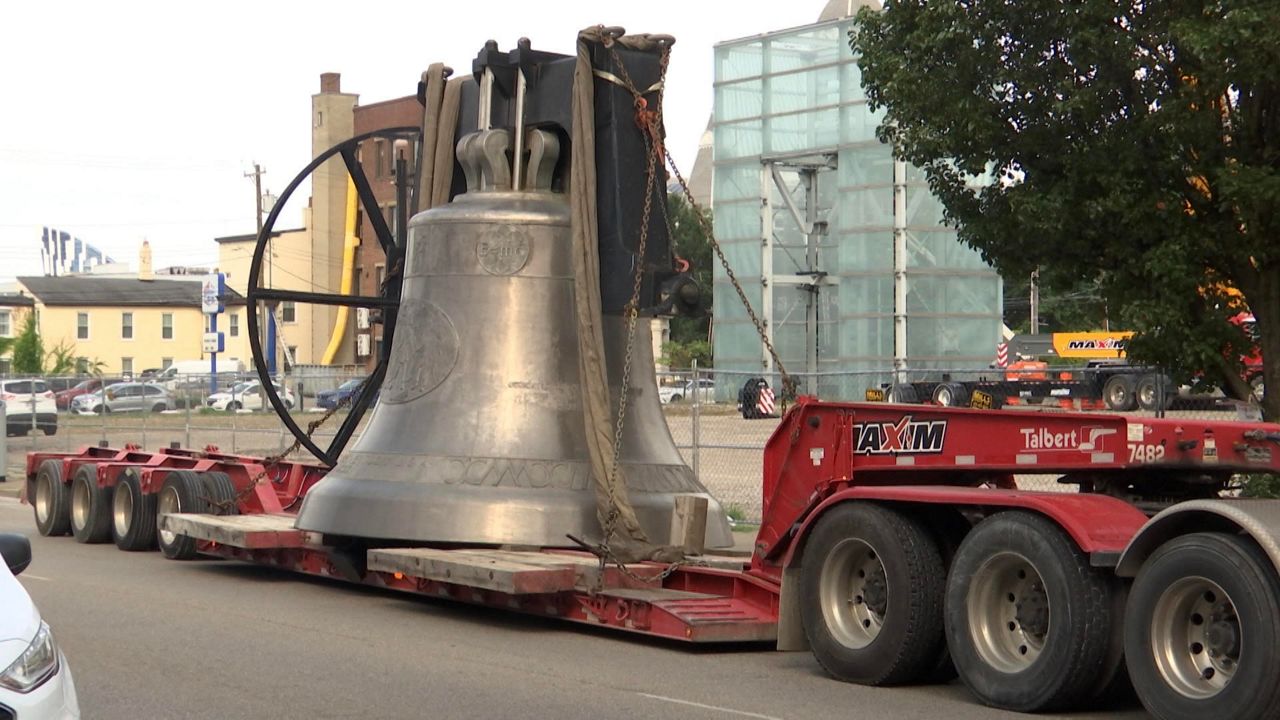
x=125 y=397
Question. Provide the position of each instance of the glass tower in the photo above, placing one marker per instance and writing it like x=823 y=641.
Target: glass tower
x=840 y=250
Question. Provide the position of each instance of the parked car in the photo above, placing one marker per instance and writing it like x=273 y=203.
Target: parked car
x=124 y=397
x=247 y=396
x=678 y=393
x=24 y=398
x=330 y=399
x=84 y=387
x=35 y=679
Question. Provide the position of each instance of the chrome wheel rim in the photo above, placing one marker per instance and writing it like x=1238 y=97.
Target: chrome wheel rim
x=1119 y=395
x=79 y=505
x=944 y=397
x=853 y=591
x=1008 y=612
x=1147 y=395
x=44 y=499
x=167 y=503
x=122 y=508
x=1196 y=638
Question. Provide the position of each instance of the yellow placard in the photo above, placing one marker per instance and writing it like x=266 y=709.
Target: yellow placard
x=981 y=400
x=875 y=395
x=1091 y=344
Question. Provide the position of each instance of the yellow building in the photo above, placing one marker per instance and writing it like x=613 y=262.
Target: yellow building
x=126 y=324
x=288 y=268
x=14 y=308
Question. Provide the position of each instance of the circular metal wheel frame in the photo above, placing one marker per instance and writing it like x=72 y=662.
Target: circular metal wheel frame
x=44 y=498
x=1008 y=612
x=388 y=301
x=853 y=592
x=80 y=502
x=1195 y=637
x=122 y=508
x=168 y=503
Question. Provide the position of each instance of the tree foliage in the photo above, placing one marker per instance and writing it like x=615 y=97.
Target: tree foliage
x=28 y=349
x=680 y=355
x=1131 y=144
x=691 y=243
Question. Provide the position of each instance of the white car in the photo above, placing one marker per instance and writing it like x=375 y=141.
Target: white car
x=681 y=393
x=35 y=680
x=246 y=396
x=22 y=399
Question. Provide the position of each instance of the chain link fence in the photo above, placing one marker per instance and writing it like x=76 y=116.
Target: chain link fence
x=717 y=418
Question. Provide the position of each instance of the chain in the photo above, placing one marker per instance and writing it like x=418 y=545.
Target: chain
x=788 y=382
x=225 y=506
x=649 y=122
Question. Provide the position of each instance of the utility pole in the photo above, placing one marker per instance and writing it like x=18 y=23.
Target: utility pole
x=267 y=317
x=1035 y=301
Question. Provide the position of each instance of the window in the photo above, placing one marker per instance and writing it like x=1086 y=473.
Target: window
x=233 y=324
x=379 y=277
x=82 y=326
x=126 y=365
x=292 y=354
x=392 y=217
x=166 y=326
x=380 y=158
x=165 y=363
x=126 y=326
x=288 y=312
x=6 y=326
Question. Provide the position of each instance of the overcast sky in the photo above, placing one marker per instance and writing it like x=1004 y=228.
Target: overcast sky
x=128 y=120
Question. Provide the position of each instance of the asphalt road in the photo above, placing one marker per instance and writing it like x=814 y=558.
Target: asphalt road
x=147 y=637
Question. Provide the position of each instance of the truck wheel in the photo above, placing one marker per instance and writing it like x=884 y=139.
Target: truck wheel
x=872 y=580
x=183 y=492
x=90 y=506
x=133 y=514
x=1118 y=393
x=1155 y=392
x=950 y=394
x=220 y=493
x=1029 y=622
x=51 y=500
x=1202 y=631
x=902 y=393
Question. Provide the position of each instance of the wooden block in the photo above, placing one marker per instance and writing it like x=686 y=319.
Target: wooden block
x=484 y=569
x=689 y=524
x=254 y=532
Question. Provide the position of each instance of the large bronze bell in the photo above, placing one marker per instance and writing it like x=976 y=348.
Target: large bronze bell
x=479 y=436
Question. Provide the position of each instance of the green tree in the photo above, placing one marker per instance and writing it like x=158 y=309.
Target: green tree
x=680 y=355
x=28 y=349
x=1132 y=144
x=690 y=242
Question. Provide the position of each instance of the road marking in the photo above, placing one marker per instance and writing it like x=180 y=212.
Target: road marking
x=731 y=711
x=29 y=576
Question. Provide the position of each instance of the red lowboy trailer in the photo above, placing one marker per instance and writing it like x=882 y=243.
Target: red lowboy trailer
x=895 y=545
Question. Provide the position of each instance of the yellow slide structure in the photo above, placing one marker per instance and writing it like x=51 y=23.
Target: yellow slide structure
x=349 y=245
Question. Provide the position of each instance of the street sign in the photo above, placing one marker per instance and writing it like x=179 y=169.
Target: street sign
x=212 y=288
x=213 y=342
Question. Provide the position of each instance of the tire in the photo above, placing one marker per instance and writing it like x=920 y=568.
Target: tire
x=882 y=628
x=220 y=493
x=1174 y=588
x=90 y=509
x=1118 y=393
x=50 y=500
x=133 y=514
x=950 y=394
x=233 y=406
x=1029 y=623
x=159 y=408
x=182 y=492
x=49 y=429
x=675 y=398
x=1154 y=392
x=902 y=394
